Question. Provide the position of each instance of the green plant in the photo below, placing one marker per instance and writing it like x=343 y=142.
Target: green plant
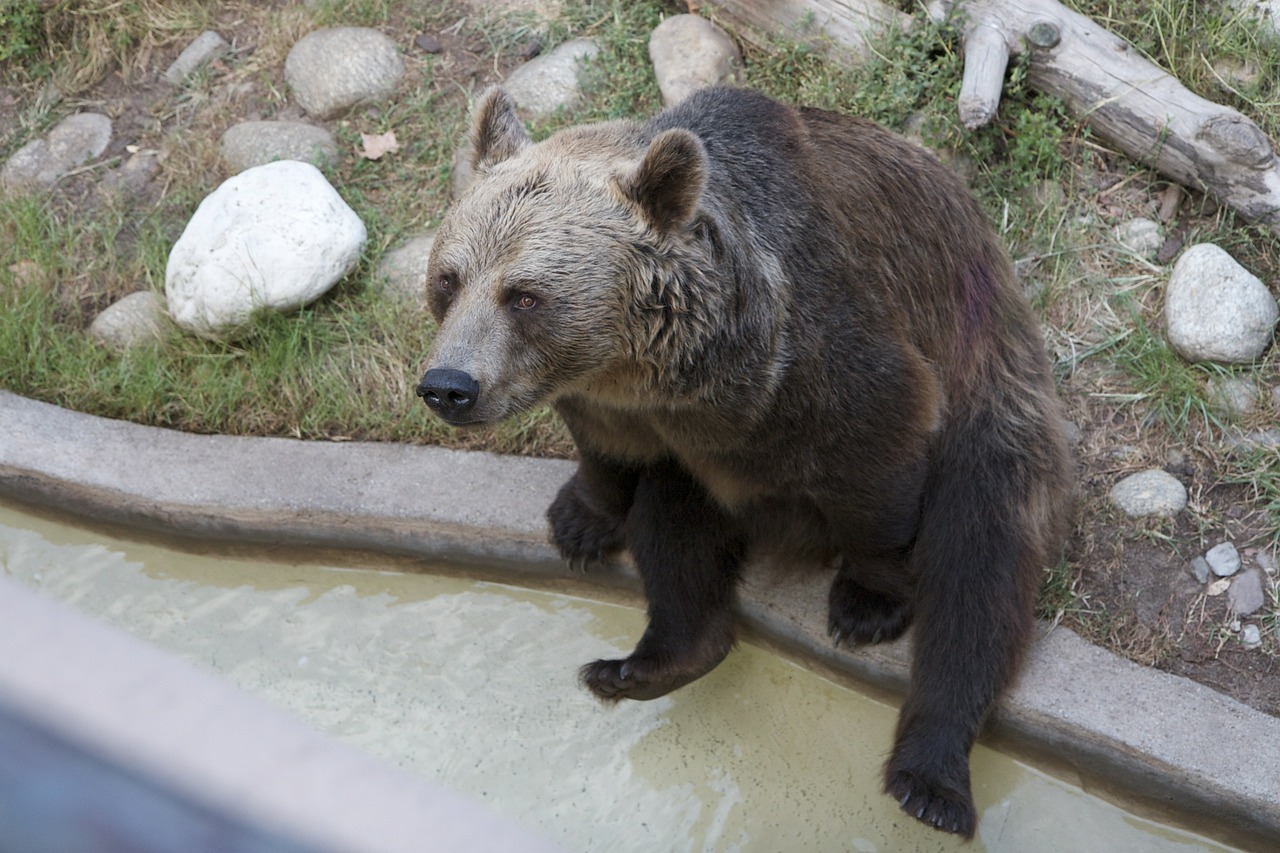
x=21 y=30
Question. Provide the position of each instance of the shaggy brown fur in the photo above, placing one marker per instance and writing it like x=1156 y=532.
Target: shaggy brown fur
x=759 y=320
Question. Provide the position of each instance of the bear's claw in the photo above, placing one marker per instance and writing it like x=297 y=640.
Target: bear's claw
x=947 y=810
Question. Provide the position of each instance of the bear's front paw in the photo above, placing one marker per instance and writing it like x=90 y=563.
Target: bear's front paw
x=632 y=678
x=939 y=806
x=859 y=615
x=582 y=533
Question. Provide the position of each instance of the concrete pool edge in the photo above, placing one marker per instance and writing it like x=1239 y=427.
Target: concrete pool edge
x=1149 y=736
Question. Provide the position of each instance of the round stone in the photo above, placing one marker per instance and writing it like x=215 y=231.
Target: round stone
x=1216 y=310
x=254 y=143
x=1151 y=492
x=332 y=70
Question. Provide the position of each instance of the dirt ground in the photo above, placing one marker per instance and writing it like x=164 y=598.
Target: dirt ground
x=1126 y=584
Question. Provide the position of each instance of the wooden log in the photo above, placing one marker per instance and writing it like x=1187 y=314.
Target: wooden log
x=842 y=26
x=986 y=56
x=1129 y=102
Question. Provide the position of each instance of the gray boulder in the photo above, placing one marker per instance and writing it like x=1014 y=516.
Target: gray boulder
x=72 y=142
x=332 y=70
x=1216 y=310
x=136 y=319
x=1150 y=492
x=255 y=143
x=551 y=82
x=690 y=53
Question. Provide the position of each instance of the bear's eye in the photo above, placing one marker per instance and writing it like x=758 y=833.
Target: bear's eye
x=446 y=284
x=524 y=301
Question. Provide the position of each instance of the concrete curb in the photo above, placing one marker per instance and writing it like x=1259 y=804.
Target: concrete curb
x=1146 y=737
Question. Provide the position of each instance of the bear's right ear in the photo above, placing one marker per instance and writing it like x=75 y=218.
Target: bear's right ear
x=669 y=181
x=496 y=131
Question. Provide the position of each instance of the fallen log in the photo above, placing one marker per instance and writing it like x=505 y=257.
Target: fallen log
x=831 y=26
x=1129 y=102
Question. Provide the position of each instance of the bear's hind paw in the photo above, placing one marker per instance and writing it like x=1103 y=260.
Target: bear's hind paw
x=857 y=615
x=947 y=810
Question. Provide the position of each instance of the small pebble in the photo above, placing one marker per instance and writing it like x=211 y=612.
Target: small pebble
x=427 y=43
x=1245 y=595
x=1250 y=636
x=1267 y=561
x=1200 y=569
x=1223 y=559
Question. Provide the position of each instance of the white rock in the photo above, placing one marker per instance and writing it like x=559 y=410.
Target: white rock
x=1250 y=636
x=543 y=85
x=332 y=70
x=403 y=270
x=1216 y=310
x=136 y=319
x=205 y=48
x=254 y=143
x=1150 y=492
x=73 y=141
x=1142 y=236
x=1267 y=561
x=275 y=236
x=1233 y=395
x=690 y=53
x=1223 y=559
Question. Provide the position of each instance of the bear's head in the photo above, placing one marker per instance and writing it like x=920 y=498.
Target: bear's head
x=559 y=269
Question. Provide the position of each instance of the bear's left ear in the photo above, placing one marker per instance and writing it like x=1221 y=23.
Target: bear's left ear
x=496 y=131
x=669 y=181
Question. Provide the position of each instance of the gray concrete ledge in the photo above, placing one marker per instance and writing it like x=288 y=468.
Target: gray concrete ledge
x=1150 y=739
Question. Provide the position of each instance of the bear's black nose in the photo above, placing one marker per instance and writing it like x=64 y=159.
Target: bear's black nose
x=449 y=392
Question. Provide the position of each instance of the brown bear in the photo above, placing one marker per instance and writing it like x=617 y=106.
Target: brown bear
x=768 y=327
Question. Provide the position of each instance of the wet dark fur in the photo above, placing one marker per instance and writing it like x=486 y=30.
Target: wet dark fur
x=827 y=338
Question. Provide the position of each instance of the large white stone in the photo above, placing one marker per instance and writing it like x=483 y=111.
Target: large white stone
x=1216 y=310
x=275 y=236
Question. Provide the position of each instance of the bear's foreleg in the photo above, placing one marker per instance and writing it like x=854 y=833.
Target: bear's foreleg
x=590 y=511
x=688 y=551
x=977 y=560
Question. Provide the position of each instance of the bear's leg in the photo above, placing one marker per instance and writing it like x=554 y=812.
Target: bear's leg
x=688 y=551
x=977 y=561
x=868 y=601
x=589 y=513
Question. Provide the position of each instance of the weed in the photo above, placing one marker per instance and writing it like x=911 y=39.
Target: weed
x=21 y=32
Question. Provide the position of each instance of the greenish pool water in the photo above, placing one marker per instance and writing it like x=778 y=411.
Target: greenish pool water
x=473 y=685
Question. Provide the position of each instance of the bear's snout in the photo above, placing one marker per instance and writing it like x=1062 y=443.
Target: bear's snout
x=448 y=393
